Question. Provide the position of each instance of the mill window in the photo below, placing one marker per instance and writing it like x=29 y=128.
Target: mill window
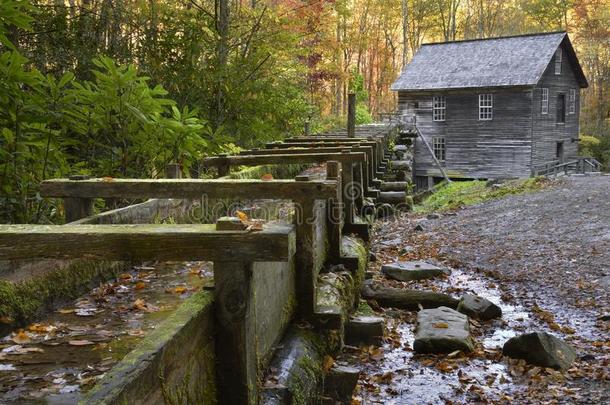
x=439 y=108
x=485 y=107
x=545 y=101
x=558 y=60
x=438 y=146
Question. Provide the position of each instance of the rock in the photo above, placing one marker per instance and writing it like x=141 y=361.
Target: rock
x=419 y=228
x=540 y=349
x=340 y=382
x=415 y=270
x=372 y=257
x=403 y=165
x=604 y=317
x=401 y=175
x=479 y=307
x=405 y=299
x=434 y=215
x=384 y=210
x=364 y=330
x=368 y=275
x=393 y=197
x=405 y=250
x=393 y=186
x=442 y=330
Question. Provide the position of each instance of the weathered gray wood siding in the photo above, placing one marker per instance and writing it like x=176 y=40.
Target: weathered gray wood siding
x=546 y=131
x=475 y=149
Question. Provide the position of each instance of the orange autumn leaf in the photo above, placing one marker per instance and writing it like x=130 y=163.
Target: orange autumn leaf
x=180 y=290
x=21 y=337
x=243 y=217
x=267 y=177
x=140 y=285
x=441 y=325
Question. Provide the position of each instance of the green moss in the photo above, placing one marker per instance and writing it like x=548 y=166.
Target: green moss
x=23 y=301
x=451 y=196
x=364 y=309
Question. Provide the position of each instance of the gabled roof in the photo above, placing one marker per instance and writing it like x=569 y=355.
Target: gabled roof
x=494 y=62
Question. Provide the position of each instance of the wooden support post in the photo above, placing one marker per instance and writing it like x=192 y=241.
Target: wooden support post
x=348 y=191
x=235 y=333
x=172 y=171
x=224 y=168
x=351 y=115
x=77 y=208
x=335 y=213
x=306 y=128
x=306 y=274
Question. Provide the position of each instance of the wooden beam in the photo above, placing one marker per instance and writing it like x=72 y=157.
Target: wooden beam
x=271 y=159
x=189 y=188
x=351 y=115
x=145 y=242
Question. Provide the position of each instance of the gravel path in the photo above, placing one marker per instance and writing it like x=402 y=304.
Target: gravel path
x=552 y=246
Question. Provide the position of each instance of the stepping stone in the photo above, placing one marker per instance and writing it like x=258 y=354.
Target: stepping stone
x=401 y=165
x=340 y=382
x=442 y=330
x=540 y=349
x=393 y=197
x=393 y=186
x=479 y=307
x=364 y=330
x=409 y=271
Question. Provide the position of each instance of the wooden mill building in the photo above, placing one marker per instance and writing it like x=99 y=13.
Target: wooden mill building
x=492 y=108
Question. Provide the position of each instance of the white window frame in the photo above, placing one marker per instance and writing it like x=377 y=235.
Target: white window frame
x=544 y=109
x=486 y=105
x=439 y=108
x=439 y=147
x=572 y=102
x=558 y=60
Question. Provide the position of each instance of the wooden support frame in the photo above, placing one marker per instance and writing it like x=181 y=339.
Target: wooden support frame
x=144 y=242
x=187 y=188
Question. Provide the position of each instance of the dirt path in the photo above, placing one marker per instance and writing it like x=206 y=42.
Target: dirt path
x=543 y=257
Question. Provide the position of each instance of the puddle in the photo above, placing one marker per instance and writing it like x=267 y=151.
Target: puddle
x=69 y=350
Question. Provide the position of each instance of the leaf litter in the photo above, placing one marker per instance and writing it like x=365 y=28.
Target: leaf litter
x=68 y=351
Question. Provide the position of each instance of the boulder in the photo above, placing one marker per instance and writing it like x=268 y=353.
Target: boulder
x=442 y=330
x=434 y=215
x=364 y=330
x=415 y=270
x=479 y=307
x=540 y=349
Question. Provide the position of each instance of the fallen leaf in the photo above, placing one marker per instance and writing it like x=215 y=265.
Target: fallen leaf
x=441 y=325
x=180 y=290
x=6 y=319
x=140 y=285
x=107 y=179
x=80 y=342
x=66 y=311
x=21 y=337
x=267 y=177
x=328 y=363
x=143 y=306
x=125 y=276
x=243 y=217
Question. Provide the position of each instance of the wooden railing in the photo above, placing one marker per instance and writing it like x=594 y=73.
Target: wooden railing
x=579 y=164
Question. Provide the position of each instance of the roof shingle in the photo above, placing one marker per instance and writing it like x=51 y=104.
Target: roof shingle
x=496 y=62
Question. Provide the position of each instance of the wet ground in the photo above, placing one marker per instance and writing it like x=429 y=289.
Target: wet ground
x=72 y=348
x=540 y=257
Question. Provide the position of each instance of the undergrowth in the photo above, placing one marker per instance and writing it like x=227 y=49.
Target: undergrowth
x=452 y=196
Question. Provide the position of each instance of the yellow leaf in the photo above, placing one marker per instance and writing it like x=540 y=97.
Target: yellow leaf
x=327 y=363
x=243 y=217
x=140 y=285
x=21 y=337
x=125 y=276
x=66 y=311
x=180 y=290
x=440 y=325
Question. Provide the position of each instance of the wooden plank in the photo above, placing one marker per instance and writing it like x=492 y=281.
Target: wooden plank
x=144 y=242
x=255 y=160
x=351 y=115
x=188 y=188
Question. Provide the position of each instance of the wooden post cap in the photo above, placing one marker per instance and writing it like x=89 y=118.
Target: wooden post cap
x=302 y=178
x=230 y=224
x=79 y=177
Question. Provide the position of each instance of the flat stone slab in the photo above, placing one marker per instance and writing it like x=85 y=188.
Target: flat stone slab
x=540 y=349
x=366 y=330
x=414 y=270
x=442 y=330
x=479 y=307
x=393 y=186
x=393 y=197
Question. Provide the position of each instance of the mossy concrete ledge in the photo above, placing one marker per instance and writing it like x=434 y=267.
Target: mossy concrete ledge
x=175 y=364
